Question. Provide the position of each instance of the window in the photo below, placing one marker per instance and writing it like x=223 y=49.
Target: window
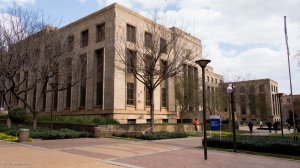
x=131 y=61
x=83 y=80
x=34 y=98
x=207 y=78
x=100 y=34
x=85 y=38
x=131 y=33
x=147 y=97
x=44 y=100
x=251 y=89
x=212 y=80
x=163 y=45
x=68 y=82
x=242 y=89
x=261 y=88
x=163 y=97
x=70 y=43
x=148 y=40
x=164 y=83
x=131 y=121
x=216 y=81
x=99 y=56
x=165 y=121
x=130 y=93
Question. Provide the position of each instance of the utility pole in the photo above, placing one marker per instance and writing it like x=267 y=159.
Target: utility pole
x=291 y=87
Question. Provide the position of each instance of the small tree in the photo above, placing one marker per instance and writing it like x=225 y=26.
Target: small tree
x=17 y=115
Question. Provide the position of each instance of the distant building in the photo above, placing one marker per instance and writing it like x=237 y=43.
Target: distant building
x=287 y=106
x=255 y=100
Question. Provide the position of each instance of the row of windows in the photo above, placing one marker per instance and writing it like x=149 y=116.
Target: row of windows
x=148 y=38
x=84 y=37
x=212 y=80
x=131 y=95
x=274 y=88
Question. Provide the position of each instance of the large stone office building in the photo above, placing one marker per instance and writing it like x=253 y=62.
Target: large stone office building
x=108 y=91
x=256 y=100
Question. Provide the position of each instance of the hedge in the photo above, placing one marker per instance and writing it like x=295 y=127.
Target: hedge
x=44 y=133
x=266 y=144
x=152 y=136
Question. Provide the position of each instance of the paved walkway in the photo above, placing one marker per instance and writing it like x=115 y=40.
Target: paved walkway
x=264 y=132
x=106 y=152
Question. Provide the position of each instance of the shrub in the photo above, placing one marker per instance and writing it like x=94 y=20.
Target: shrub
x=58 y=134
x=17 y=115
x=267 y=144
x=152 y=136
x=105 y=121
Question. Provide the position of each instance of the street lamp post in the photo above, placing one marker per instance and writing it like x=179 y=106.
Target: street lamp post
x=202 y=63
x=230 y=90
x=279 y=96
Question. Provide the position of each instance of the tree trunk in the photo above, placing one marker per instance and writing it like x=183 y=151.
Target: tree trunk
x=34 y=122
x=151 y=110
x=8 y=123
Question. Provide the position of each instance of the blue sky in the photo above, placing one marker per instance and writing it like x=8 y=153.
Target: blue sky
x=242 y=38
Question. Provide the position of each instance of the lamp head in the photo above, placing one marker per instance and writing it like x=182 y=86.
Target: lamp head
x=202 y=63
x=229 y=88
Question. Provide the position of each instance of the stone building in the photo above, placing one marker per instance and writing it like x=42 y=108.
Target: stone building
x=286 y=106
x=91 y=48
x=255 y=100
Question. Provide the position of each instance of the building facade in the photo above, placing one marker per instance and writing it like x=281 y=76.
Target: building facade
x=255 y=100
x=91 y=50
x=286 y=106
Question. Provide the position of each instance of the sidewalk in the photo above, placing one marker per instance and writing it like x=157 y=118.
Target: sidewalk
x=111 y=153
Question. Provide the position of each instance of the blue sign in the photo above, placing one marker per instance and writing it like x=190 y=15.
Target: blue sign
x=215 y=122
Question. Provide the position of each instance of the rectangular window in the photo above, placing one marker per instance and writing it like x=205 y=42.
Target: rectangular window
x=100 y=34
x=83 y=80
x=147 y=95
x=261 y=88
x=131 y=61
x=164 y=97
x=44 y=100
x=34 y=98
x=242 y=89
x=85 y=38
x=68 y=82
x=131 y=33
x=216 y=81
x=54 y=86
x=131 y=121
x=163 y=45
x=130 y=93
x=148 y=40
x=207 y=79
x=99 y=54
x=70 y=43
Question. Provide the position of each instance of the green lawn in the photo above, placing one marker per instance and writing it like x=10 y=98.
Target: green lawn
x=214 y=133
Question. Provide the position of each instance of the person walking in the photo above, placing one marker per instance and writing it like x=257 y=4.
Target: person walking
x=260 y=124
x=269 y=126
x=250 y=125
x=275 y=126
x=196 y=123
x=289 y=127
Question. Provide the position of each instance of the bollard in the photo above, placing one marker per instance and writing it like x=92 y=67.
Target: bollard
x=23 y=134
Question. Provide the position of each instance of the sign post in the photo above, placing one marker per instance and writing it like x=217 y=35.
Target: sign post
x=215 y=123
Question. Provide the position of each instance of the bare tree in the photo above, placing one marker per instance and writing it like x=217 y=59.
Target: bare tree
x=30 y=57
x=154 y=56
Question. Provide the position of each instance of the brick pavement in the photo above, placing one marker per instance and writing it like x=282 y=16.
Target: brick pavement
x=105 y=152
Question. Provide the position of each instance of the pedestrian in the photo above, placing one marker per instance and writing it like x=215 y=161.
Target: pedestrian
x=260 y=124
x=196 y=123
x=275 y=126
x=289 y=127
x=269 y=126
x=250 y=125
